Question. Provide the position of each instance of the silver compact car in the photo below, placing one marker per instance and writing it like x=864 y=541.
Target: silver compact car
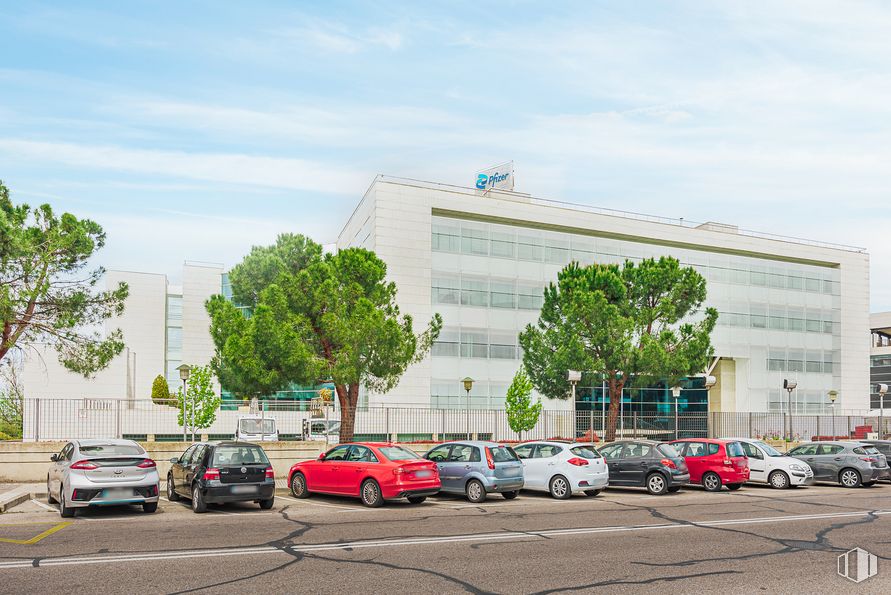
x=102 y=473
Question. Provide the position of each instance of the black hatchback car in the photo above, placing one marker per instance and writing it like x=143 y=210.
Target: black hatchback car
x=221 y=472
x=645 y=463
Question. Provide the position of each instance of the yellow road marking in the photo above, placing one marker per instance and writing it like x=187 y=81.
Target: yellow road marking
x=36 y=538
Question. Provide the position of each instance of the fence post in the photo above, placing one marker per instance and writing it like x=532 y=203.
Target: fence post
x=36 y=420
x=592 y=424
x=634 y=424
x=750 y=425
x=387 y=423
x=849 y=428
x=442 y=436
x=818 y=425
x=117 y=419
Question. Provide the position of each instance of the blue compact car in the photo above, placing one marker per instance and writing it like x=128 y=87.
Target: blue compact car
x=477 y=468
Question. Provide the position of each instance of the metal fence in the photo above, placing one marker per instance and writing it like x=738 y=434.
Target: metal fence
x=60 y=419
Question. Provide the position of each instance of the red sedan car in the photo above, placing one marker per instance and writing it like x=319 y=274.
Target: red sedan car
x=372 y=471
x=714 y=463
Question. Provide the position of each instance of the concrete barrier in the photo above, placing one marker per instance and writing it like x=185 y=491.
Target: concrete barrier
x=29 y=462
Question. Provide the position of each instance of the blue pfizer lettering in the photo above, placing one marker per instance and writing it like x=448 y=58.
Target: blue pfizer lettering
x=496 y=178
x=481 y=181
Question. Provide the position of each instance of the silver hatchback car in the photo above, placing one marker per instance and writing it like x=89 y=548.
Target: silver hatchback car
x=102 y=473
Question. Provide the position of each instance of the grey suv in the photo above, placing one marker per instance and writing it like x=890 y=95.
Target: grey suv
x=851 y=464
x=476 y=468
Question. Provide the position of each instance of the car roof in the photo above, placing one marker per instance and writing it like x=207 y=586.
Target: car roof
x=850 y=443
x=637 y=441
x=229 y=443
x=473 y=443
x=706 y=440
x=109 y=441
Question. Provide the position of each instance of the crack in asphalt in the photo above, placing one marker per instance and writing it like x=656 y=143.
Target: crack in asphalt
x=649 y=581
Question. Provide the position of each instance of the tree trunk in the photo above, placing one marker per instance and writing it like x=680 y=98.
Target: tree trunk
x=615 y=399
x=348 y=397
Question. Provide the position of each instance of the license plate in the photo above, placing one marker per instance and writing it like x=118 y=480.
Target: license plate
x=512 y=471
x=117 y=494
x=244 y=489
x=424 y=473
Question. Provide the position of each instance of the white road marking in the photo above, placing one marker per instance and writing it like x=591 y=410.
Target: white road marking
x=415 y=541
x=337 y=506
x=42 y=505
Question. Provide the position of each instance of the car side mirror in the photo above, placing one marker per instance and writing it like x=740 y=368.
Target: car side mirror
x=174 y=460
x=54 y=458
x=321 y=456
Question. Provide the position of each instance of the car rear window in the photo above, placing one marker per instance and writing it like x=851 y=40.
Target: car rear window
x=502 y=454
x=225 y=456
x=258 y=426
x=397 y=453
x=586 y=452
x=667 y=450
x=866 y=450
x=735 y=449
x=101 y=450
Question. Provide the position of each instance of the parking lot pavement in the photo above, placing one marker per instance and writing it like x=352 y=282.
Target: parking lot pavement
x=624 y=539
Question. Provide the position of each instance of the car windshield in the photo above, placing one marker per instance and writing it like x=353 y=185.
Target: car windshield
x=257 y=426
x=397 y=453
x=771 y=451
x=502 y=454
x=586 y=452
x=239 y=455
x=101 y=450
x=734 y=449
x=668 y=450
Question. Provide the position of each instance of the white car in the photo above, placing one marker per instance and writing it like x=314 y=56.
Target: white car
x=770 y=466
x=563 y=468
x=101 y=473
x=254 y=428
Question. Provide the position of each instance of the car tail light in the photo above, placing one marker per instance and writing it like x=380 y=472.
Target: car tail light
x=211 y=474
x=728 y=463
x=84 y=465
x=668 y=463
x=489 y=460
x=147 y=464
x=398 y=471
x=869 y=459
x=270 y=473
x=578 y=462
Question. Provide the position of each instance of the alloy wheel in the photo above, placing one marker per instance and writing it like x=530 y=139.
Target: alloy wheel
x=712 y=482
x=371 y=495
x=778 y=480
x=558 y=487
x=656 y=483
x=474 y=491
x=850 y=478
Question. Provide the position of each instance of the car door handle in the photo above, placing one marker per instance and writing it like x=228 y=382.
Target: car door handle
x=360 y=469
x=467 y=466
x=838 y=458
x=643 y=464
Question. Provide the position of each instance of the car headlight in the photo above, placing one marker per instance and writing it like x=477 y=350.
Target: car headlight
x=795 y=467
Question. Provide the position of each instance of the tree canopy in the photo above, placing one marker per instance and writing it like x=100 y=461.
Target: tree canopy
x=47 y=290
x=522 y=413
x=642 y=321
x=314 y=318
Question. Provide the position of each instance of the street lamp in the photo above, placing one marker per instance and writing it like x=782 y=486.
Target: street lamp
x=468 y=384
x=676 y=393
x=833 y=395
x=573 y=376
x=883 y=388
x=184 y=371
x=789 y=385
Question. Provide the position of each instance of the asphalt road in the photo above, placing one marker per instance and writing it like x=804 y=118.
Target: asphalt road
x=756 y=539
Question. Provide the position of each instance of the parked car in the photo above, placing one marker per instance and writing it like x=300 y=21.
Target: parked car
x=327 y=431
x=770 y=466
x=714 y=463
x=222 y=472
x=478 y=468
x=884 y=447
x=101 y=473
x=644 y=463
x=562 y=469
x=851 y=464
x=256 y=428
x=372 y=471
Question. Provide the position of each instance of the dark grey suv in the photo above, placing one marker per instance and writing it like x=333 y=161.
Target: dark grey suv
x=851 y=464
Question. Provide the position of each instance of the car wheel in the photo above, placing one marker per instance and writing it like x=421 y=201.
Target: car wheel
x=198 y=503
x=592 y=493
x=475 y=491
x=778 y=480
x=298 y=486
x=371 y=494
x=733 y=486
x=674 y=489
x=416 y=499
x=656 y=484
x=64 y=511
x=267 y=504
x=171 y=490
x=559 y=488
x=149 y=507
x=49 y=494
x=510 y=495
x=849 y=478
x=711 y=482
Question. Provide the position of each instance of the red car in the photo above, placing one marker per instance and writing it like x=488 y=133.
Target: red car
x=372 y=471
x=714 y=463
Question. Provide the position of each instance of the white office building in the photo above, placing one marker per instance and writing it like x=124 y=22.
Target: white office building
x=789 y=308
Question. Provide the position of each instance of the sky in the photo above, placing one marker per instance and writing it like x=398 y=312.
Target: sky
x=192 y=131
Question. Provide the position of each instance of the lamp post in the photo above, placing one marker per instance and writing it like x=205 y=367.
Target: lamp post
x=468 y=384
x=184 y=371
x=883 y=388
x=789 y=385
x=573 y=376
x=833 y=395
x=676 y=393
